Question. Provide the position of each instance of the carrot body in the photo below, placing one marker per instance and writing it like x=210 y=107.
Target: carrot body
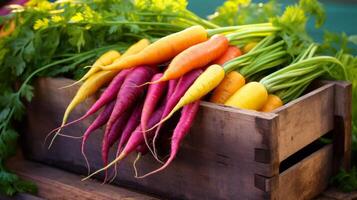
x=87 y=89
x=182 y=129
x=183 y=84
x=105 y=59
x=129 y=92
x=137 y=138
x=133 y=122
x=135 y=48
x=101 y=119
x=108 y=95
x=231 y=52
x=251 y=96
x=272 y=103
x=153 y=96
x=205 y=83
x=230 y=84
x=163 y=49
x=171 y=88
x=113 y=135
x=134 y=141
x=196 y=56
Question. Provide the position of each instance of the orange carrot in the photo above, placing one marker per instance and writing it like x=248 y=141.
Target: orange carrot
x=196 y=56
x=232 y=81
x=231 y=52
x=272 y=103
x=230 y=84
x=163 y=49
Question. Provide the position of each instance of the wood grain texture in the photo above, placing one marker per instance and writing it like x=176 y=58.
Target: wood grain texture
x=343 y=126
x=54 y=184
x=305 y=119
x=308 y=178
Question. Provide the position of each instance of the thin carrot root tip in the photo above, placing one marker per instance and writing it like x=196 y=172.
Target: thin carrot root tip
x=71 y=85
x=53 y=139
x=134 y=164
x=155 y=151
x=86 y=161
x=149 y=83
x=115 y=174
x=120 y=157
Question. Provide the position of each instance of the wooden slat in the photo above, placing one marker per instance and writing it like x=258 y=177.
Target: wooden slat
x=343 y=125
x=57 y=184
x=307 y=178
x=304 y=120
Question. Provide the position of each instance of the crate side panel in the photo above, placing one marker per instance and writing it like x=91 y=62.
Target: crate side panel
x=304 y=120
x=217 y=165
x=307 y=178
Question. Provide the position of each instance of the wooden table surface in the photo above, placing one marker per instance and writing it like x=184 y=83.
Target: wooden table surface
x=56 y=184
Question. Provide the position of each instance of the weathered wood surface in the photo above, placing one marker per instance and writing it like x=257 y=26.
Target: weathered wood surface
x=305 y=120
x=237 y=157
x=55 y=184
x=343 y=126
x=308 y=178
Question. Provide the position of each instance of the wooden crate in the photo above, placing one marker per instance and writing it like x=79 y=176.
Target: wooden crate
x=228 y=154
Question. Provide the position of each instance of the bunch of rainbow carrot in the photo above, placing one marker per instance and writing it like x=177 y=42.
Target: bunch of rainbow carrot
x=151 y=81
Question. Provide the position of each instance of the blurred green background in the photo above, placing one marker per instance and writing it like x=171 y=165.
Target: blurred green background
x=341 y=15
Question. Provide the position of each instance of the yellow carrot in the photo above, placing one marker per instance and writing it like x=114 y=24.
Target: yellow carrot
x=205 y=83
x=230 y=84
x=135 y=48
x=88 y=88
x=272 y=103
x=105 y=59
x=251 y=96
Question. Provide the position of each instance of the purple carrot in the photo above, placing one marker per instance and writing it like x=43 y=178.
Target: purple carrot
x=108 y=95
x=188 y=114
x=112 y=136
x=183 y=84
x=171 y=88
x=153 y=97
x=97 y=123
x=129 y=92
x=134 y=141
x=133 y=122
